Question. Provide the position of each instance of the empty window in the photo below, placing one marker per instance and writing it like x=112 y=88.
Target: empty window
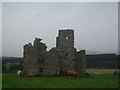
x=41 y=69
x=66 y=54
x=66 y=37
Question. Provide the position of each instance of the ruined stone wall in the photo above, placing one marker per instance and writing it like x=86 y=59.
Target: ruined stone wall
x=62 y=58
x=34 y=58
x=39 y=62
x=52 y=64
x=80 y=62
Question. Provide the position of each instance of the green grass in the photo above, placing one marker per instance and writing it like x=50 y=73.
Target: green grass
x=0 y=80
x=106 y=80
x=9 y=65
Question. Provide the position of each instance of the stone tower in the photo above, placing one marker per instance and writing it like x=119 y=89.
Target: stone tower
x=65 y=46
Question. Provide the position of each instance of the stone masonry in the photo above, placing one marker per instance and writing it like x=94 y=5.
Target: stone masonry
x=65 y=46
x=58 y=60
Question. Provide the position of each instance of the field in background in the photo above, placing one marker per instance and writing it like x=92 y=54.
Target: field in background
x=104 y=80
x=103 y=71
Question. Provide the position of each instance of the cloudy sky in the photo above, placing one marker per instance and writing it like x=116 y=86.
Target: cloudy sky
x=95 y=25
x=0 y=29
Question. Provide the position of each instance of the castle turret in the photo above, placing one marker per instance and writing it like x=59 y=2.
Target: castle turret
x=65 y=46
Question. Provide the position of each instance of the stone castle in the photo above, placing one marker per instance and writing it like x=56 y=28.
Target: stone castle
x=58 y=60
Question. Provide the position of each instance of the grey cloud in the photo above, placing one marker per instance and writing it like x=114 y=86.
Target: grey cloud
x=95 y=25
x=38 y=15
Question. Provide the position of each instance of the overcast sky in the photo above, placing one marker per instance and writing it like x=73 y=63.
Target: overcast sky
x=95 y=25
x=0 y=29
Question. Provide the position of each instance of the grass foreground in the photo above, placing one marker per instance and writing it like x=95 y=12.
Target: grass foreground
x=105 y=80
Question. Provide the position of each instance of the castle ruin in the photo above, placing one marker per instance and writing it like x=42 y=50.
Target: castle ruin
x=56 y=61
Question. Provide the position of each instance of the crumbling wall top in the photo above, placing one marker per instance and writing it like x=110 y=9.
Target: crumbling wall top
x=39 y=45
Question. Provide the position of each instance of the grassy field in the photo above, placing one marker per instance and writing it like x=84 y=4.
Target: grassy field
x=0 y=80
x=105 y=80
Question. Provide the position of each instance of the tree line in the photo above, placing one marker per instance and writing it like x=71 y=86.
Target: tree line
x=105 y=61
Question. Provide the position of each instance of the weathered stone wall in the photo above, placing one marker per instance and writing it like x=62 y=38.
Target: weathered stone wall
x=39 y=62
x=51 y=66
x=34 y=58
x=80 y=62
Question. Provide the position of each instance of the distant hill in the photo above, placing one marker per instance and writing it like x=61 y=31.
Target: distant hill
x=11 y=60
x=102 y=61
